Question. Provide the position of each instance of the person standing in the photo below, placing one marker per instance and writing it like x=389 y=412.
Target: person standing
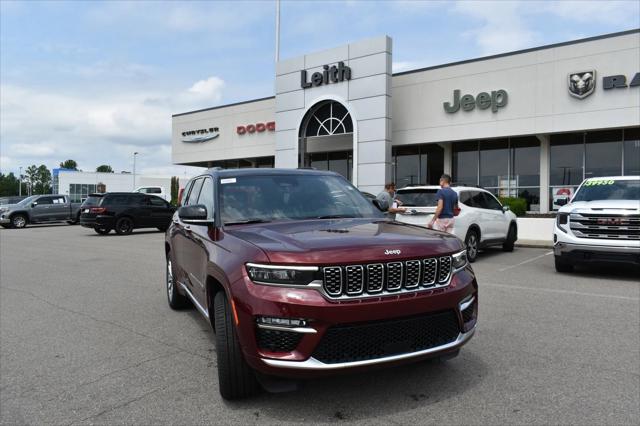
x=443 y=218
x=387 y=198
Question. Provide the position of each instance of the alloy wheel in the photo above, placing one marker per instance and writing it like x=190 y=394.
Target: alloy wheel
x=472 y=246
x=169 y=280
x=19 y=222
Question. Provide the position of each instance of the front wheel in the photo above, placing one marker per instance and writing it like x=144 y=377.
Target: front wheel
x=472 y=243
x=511 y=239
x=124 y=226
x=175 y=299
x=235 y=378
x=19 y=221
x=562 y=265
x=102 y=231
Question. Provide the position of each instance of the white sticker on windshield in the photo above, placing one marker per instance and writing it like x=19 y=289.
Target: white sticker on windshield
x=228 y=180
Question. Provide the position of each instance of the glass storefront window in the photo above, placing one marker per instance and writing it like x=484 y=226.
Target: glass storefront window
x=339 y=162
x=603 y=153
x=494 y=164
x=532 y=195
x=525 y=161
x=465 y=163
x=566 y=159
x=632 y=151
x=407 y=166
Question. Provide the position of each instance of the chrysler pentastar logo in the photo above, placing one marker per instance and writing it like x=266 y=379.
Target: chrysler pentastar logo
x=388 y=252
x=582 y=84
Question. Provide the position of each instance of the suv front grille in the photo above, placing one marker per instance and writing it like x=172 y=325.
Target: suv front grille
x=358 y=342
x=386 y=278
x=605 y=226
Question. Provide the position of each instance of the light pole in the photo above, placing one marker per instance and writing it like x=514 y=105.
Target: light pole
x=20 y=184
x=134 y=170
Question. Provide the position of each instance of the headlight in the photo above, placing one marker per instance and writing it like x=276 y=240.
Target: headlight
x=282 y=275
x=459 y=260
x=562 y=219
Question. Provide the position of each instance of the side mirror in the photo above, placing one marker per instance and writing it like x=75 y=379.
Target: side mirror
x=505 y=208
x=195 y=214
x=383 y=206
x=35 y=203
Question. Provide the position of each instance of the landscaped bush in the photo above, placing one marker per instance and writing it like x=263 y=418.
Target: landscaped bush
x=517 y=205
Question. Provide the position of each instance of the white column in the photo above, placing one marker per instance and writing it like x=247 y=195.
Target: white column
x=448 y=158
x=544 y=173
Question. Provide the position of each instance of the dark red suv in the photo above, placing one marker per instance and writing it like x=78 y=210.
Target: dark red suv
x=301 y=275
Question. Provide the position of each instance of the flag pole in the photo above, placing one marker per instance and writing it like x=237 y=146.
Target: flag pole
x=277 y=30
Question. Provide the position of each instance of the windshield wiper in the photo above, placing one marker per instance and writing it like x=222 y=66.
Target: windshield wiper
x=246 y=221
x=334 y=216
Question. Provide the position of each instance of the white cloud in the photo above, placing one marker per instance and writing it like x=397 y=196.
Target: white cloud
x=210 y=89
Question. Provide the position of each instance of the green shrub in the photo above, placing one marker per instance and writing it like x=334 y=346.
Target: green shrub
x=517 y=205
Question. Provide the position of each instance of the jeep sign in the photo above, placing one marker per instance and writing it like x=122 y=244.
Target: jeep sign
x=497 y=99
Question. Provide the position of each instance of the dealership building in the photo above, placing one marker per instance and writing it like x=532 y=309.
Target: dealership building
x=532 y=123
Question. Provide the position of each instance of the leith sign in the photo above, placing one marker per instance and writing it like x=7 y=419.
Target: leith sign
x=332 y=74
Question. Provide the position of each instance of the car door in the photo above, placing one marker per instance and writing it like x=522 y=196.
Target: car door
x=60 y=208
x=479 y=215
x=498 y=223
x=198 y=243
x=41 y=209
x=182 y=234
x=140 y=209
x=161 y=211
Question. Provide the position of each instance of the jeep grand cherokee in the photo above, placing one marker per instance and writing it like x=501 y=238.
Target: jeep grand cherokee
x=300 y=275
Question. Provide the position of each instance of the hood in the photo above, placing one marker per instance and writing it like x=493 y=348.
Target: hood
x=344 y=241
x=611 y=206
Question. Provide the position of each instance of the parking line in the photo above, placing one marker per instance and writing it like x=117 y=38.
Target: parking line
x=553 y=290
x=525 y=262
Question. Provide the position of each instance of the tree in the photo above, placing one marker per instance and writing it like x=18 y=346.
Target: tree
x=39 y=179
x=105 y=168
x=175 y=189
x=9 y=185
x=69 y=164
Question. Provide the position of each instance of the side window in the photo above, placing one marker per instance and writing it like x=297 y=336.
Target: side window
x=185 y=192
x=157 y=201
x=476 y=199
x=206 y=197
x=192 y=198
x=465 y=198
x=491 y=202
x=116 y=200
x=154 y=191
x=44 y=200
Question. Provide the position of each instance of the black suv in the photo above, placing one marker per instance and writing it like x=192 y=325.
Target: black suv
x=125 y=211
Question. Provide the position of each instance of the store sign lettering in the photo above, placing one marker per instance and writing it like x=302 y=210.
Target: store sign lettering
x=256 y=128
x=494 y=100
x=619 y=81
x=200 y=135
x=334 y=74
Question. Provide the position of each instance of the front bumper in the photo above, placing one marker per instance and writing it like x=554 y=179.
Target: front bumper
x=4 y=220
x=581 y=253
x=252 y=300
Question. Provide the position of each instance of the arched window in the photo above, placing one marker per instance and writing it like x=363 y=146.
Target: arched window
x=328 y=118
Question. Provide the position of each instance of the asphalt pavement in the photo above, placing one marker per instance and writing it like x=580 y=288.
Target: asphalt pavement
x=86 y=337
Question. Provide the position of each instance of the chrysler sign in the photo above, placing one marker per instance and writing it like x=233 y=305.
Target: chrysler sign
x=200 y=135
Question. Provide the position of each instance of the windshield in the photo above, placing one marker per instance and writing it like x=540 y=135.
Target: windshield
x=273 y=197
x=417 y=197
x=608 y=189
x=27 y=200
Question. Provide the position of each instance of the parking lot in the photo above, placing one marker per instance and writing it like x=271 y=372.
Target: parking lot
x=86 y=337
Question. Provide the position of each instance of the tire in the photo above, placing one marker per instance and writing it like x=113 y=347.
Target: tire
x=511 y=239
x=562 y=265
x=74 y=221
x=472 y=242
x=102 y=231
x=235 y=377
x=176 y=300
x=19 y=221
x=124 y=226
x=162 y=228
x=6 y=226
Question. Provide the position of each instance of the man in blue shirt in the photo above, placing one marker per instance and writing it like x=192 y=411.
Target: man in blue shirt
x=443 y=218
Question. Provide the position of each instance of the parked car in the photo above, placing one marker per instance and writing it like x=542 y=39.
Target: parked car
x=601 y=223
x=482 y=220
x=300 y=283
x=124 y=212
x=39 y=209
x=11 y=200
x=158 y=191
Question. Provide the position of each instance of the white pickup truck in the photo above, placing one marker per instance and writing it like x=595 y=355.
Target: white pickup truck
x=601 y=223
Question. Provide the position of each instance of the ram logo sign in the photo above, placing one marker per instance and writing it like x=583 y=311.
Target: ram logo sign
x=582 y=84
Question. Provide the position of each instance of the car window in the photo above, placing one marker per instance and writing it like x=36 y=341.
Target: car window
x=206 y=196
x=154 y=191
x=418 y=197
x=490 y=202
x=476 y=200
x=44 y=200
x=58 y=200
x=192 y=198
x=156 y=201
x=116 y=200
x=465 y=197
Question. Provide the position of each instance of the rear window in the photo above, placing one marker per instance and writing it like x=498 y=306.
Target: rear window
x=117 y=200
x=92 y=200
x=418 y=197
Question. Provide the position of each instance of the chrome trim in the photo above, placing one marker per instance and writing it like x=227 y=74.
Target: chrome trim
x=562 y=247
x=202 y=310
x=314 y=364
x=315 y=284
x=446 y=279
x=465 y=304
x=304 y=330
x=291 y=267
x=324 y=279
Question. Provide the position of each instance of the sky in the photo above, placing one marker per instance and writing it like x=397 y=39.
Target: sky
x=96 y=81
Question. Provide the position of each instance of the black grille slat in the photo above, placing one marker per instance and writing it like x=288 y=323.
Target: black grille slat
x=394 y=276
x=444 y=268
x=333 y=281
x=413 y=272
x=355 y=279
x=358 y=342
x=468 y=314
x=430 y=270
x=277 y=341
x=375 y=278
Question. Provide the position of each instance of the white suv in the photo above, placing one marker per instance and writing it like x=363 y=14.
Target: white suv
x=482 y=221
x=600 y=224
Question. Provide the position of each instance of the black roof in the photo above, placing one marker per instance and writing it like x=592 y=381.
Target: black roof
x=215 y=171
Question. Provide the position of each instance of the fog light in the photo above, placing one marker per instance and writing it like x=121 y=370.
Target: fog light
x=283 y=322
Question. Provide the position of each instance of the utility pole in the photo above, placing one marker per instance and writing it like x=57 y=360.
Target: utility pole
x=277 y=30
x=20 y=184
x=134 y=171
